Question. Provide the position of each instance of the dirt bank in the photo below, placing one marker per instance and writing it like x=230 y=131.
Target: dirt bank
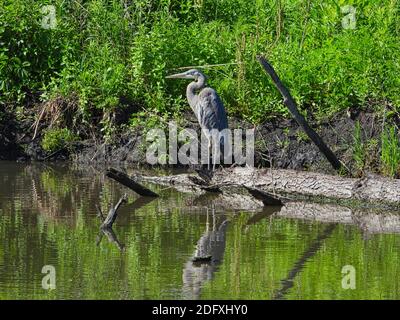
x=280 y=143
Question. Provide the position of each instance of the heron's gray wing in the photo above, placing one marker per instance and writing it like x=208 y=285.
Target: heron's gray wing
x=211 y=110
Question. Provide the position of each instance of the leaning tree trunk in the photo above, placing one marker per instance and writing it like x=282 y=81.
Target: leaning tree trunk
x=291 y=104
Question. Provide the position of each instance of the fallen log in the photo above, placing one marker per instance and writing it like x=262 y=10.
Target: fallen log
x=368 y=191
x=368 y=221
x=231 y=196
x=130 y=183
x=371 y=190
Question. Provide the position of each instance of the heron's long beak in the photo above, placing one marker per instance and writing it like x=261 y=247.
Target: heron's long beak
x=179 y=76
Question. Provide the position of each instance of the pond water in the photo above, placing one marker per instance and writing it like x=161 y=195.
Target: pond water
x=48 y=217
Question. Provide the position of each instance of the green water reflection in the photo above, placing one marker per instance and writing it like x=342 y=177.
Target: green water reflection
x=48 y=217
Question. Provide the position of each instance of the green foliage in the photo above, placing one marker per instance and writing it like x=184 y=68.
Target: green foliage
x=302 y=136
x=366 y=152
x=29 y=54
x=390 y=155
x=56 y=139
x=104 y=50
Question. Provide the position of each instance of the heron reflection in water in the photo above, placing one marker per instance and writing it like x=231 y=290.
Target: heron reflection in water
x=207 y=257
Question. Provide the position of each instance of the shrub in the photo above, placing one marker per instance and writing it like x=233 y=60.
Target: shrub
x=104 y=50
x=57 y=139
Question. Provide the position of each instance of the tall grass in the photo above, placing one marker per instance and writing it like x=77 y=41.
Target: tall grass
x=358 y=148
x=390 y=155
x=103 y=51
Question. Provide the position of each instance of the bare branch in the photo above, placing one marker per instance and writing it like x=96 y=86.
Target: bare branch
x=130 y=183
x=206 y=66
x=291 y=104
x=112 y=214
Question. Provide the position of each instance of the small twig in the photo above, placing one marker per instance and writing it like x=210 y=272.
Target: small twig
x=53 y=153
x=36 y=123
x=206 y=66
x=384 y=118
x=97 y=151
x=303 y=36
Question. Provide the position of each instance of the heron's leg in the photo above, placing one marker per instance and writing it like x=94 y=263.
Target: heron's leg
x=209 y=154
x=213 y=216
x=207 y=222
x=215 y=153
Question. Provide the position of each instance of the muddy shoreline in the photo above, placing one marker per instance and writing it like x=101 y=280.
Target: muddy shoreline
x=280 y=143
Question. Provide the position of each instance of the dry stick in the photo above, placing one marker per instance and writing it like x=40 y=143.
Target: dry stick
x=130 y=183
x=289 y=102
x=36 y=123
x=278 y=21
x=207 y=66
x=112 y=214
x=107 y=222
x=303 y=36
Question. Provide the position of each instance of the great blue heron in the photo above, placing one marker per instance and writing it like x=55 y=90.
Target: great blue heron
x=208 y=108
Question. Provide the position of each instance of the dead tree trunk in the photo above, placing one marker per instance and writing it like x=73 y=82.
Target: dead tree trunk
x=112 y=214
x=289 y=102
x=107 y=223
x=130 y=183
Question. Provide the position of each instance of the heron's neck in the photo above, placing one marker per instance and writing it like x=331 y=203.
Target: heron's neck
x=193 y=88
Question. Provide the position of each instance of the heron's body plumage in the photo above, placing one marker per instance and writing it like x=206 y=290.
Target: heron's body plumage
x=206 y=105
x=211 y=114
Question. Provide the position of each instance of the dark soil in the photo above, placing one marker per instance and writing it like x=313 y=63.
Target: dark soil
x=9 y=144
x=283 y=144
x=280 y=143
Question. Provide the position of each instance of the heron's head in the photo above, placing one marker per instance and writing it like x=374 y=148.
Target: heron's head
x=192 y=74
